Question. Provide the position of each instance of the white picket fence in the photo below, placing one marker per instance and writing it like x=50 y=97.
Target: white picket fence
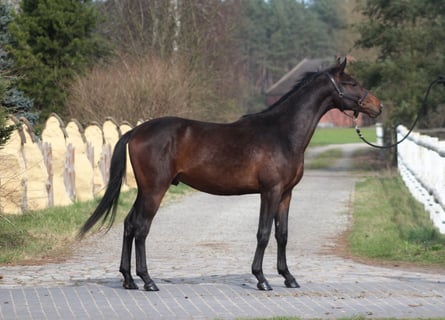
x=421 y=163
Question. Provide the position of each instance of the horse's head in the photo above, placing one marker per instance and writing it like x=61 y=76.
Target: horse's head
x=350 y=95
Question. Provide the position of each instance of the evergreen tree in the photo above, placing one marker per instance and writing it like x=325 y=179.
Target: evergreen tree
x=12 y=99
x=410 y=41
x=5 y=131
x=52 y=40
x=277 y=34
x=5 y=38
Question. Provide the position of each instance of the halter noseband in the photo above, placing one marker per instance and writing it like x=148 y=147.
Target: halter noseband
x=342 y=95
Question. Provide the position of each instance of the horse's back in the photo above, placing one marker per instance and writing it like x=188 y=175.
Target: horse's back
x=233 y=158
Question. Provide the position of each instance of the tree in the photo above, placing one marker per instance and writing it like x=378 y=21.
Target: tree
x=330 y=12
x=193 y=36
x=5 y=130
x=13 y=99
x=410 y=41
x=167 y=27
x=277 y=34
x=138 y=26
x=52 y=40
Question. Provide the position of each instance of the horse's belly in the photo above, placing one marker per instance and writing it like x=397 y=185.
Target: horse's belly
x=220 y=185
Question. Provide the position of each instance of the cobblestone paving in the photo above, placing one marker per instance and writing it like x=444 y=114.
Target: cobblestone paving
x=200 y=250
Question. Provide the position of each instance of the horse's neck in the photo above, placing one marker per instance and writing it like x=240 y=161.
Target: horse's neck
x=304 y=113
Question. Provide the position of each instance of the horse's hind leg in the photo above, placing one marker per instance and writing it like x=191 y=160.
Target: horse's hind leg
x=125 y=267
x=269 y=205
x=281 y=230
x=144 y=217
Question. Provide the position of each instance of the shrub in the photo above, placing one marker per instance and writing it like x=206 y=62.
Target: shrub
x=135 y=88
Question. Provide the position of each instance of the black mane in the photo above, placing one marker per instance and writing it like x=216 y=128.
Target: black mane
x=306 y=79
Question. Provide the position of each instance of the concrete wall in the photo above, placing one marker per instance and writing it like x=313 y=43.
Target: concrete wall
x=69 y=163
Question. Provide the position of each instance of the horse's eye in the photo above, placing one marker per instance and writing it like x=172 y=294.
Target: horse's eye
x=350 y=83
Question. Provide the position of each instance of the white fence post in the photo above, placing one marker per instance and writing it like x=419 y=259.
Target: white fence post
x=379 y=133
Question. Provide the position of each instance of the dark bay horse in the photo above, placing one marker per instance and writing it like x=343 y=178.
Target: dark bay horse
x=260 y=153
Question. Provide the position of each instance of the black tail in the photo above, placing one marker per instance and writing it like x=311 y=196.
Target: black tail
x=106 y=210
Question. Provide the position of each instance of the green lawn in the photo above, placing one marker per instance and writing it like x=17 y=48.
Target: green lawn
x=325 y=136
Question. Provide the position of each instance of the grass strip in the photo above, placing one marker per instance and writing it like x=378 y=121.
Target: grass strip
x=49 y=233
x=389 y=224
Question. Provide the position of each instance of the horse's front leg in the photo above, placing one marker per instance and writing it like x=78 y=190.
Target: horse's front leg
x=281 y=230
x=269 y=205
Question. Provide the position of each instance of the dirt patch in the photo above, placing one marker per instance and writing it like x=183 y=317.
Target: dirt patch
x=55 y=255
x=213 y=245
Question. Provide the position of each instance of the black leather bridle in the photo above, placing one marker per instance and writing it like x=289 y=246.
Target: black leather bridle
x=343 y=95
x=422 y=110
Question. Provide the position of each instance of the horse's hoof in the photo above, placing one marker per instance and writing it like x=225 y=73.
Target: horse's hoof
x=151 y=286
x=264 y=286
x=291 y=284
x=130 y=286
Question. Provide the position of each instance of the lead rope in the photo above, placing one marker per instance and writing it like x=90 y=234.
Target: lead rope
x=440 y=79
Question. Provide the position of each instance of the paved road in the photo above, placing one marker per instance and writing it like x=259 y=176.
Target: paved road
x=200 y=252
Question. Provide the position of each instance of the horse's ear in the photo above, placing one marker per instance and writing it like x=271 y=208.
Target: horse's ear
x=342 y=65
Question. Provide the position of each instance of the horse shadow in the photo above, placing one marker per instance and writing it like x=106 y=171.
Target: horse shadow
x=244 y=281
